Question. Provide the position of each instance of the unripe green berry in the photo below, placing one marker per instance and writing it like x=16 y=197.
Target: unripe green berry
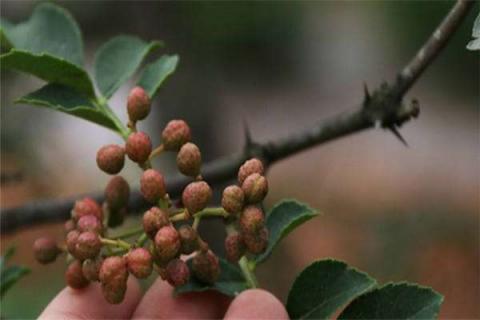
x=45 y=250
x=117 y=193
x=177 y=272
x=74 y=276
x=234 y=247
x=196 y=196
x=138 y=104
x=138 y=147
x=87 y=206
x=251 y=219
x=111 y=158
x=90 y=223
x=152 y=185
x=113 y=275
x=233 y=199
x=167 y=243
x=188 y=239
x=71 y=241
x=91 y=269
x=175 y=135
x=251 y=166
x=205 y=266
x=256 y=243
x=255 y=188
x=88 y=245
x=69 y=226
x=154 y=219
x=139 y=262
x=189 y=160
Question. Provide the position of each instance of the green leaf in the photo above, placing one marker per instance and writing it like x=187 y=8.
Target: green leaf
x=475 y=43
x=4 y=259
x=323 y=287
x=5 y=43
x=50 y=30
x=65 y=99
x=230 y=282
x=50 y=69
x=395 y=301
x=117 y=60
x=10 y=276
x=282 y=219
x=156 y=73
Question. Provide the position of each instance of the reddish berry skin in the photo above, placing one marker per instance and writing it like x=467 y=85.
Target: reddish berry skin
x=233 y=199
x=88 y=245
x=153 y=220
x=177 y=272
x=175 y=135
x=71 y=241
x=249 y=167
x=251 y=220
x=113 y=275
x=234 y=247
x=205 y=267
x=167 y=243
x=188 y=239
x=87 y=206
x=69 y=226
x=256 y=243
x=138 y=104
x=255 y=188
x=90 y=223
x=152 y=185
x=74 y=276
x=196 y=196
x=91 y=269
x=139 y=262
x=111 y=158
x=117 y=193
x=45 y=250
x=138 y=147
x=189 y=160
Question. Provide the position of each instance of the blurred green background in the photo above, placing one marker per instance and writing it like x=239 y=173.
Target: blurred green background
x=397 y=213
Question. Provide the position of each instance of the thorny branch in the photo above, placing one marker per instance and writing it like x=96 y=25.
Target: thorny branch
x=383 y=107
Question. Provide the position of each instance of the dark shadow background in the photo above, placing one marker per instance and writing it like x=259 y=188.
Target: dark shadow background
x=397 y=213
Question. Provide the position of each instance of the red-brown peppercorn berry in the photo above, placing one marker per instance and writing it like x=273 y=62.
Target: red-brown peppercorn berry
x=205 y=267
x=249 y=167
x=87 y=206
x=152 y=185
x=45 y=250
x=138 y=147
x=90 y=223
x=234 y=247
x=177 y=272
x=69 y=226
x=91 y=269
x=117 y=193
x=74 y=276
x=154 y=219
x=139 y=262
x=71 y=241
x=138 y=104
x=167 y=243
x=233 y=199
x=251 y=219
x=113 y=275
x=196 y=196
x=88 y=245
x=111 y=158
x=256 y=243
x=189 y=160
x=255 y=188
x=175 y=135
x=188 y=239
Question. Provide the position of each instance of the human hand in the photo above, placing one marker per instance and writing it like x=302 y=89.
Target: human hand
x=159 y=303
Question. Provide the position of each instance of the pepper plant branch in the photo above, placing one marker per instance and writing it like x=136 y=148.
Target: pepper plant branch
x=383 y=107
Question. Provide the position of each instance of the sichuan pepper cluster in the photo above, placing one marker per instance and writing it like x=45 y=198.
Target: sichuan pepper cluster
x=168 y=238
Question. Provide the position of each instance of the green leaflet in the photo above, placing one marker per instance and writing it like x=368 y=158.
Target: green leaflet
x=156 y=73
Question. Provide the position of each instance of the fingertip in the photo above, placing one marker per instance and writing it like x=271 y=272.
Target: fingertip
x=256 y=304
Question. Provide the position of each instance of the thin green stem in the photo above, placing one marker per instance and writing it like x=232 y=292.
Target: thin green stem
x=128 y=233
x=247 y=272
x=196 y=222
x=141 y=240
x=105 y=108
x=212 y=212
x=116 y=243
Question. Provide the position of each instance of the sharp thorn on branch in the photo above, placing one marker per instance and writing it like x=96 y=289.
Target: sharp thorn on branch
x=398 y=135
x=247 y=135
x=367 y=96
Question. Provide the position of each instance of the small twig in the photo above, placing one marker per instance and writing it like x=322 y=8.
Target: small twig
x=247 y=273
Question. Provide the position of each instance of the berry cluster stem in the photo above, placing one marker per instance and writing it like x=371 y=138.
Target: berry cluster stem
x=155 y=152
x=248 y=273
x=129 y=233
x=105 y=108
x=116 y=243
